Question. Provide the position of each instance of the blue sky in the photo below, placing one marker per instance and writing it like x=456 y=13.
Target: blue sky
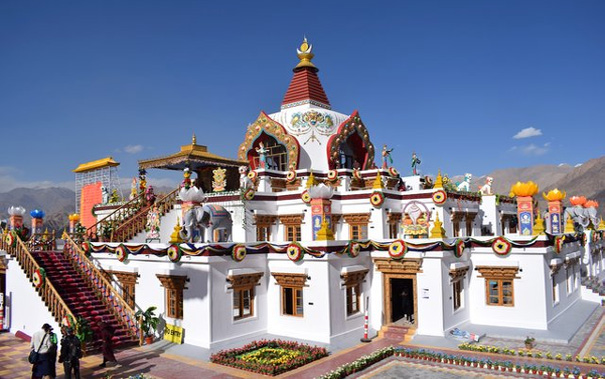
x=454 y=81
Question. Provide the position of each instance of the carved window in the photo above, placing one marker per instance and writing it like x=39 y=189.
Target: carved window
x=393 y=221
x=470 y=217
x=291 y=293
x=456 y=219
x=263 y=226
x=292 y=225
x=244 y=294
x=127 y=284
x=499 y=285
x=352 y=283
x=358 y=225
x=457 y=276
x=173 y=287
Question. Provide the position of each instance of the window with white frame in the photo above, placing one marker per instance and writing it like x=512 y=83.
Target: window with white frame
x=353 y=290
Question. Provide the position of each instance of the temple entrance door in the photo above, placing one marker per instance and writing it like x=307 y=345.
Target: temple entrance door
x=402 y=301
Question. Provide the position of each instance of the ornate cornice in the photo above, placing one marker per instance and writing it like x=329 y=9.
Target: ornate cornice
x=295 y=219
x=403 y=266
x=498 y=272
x=356 y=218
x=459 y=273
x=290 y=280
x=173 y=281
x=393 y=217
x=264 y=220
x=245 y=280
x=353 y=278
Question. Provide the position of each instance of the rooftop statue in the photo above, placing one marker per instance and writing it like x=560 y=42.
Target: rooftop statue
x=466 y=183
x=415 y=164
x=486 y=189
x=386 y=156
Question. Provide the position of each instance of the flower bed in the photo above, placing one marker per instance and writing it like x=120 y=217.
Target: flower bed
x=269 y=357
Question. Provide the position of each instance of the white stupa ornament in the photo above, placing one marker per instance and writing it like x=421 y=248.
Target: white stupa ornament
x=193 y=194
x=16 y=211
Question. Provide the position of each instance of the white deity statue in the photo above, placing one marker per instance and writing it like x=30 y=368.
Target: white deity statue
x=486 y=189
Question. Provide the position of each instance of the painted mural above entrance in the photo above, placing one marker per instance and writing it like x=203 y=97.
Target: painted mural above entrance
x=303 y=122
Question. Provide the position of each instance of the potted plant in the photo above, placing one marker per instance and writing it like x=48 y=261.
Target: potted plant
x=529 y=342
x=149 y=323
x=83 y=332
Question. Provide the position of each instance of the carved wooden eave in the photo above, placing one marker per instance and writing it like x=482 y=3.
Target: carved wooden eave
x=357 y=218
x=264 y=220
x=290 y=280
x=470 y=216
x=498 y=272
x=245 y=280
x=295 y=219
x=458 y=273
x=173 y=281
x=403 y=266
x=457 y=216
x=353 y=278
x=125 y=277
x=335 y=219
x=394 y=217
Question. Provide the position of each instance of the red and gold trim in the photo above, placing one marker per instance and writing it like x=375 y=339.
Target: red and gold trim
x=349 y=127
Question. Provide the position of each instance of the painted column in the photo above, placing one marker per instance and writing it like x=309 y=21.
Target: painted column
x=555 y=210
x=37 y=221
x=16 y=217
x=320 y=209
x=525 y=206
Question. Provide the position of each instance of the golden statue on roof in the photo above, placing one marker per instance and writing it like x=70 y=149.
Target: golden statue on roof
x=305 y=55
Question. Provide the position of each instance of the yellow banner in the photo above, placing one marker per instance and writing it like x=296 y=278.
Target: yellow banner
x=173 y=334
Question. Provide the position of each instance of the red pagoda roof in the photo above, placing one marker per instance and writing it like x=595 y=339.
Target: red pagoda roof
x=305 y=86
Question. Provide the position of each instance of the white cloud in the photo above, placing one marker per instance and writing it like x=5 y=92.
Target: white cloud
x=532 y=149
x=528 y=132
x=133 y=149
x=578 y=165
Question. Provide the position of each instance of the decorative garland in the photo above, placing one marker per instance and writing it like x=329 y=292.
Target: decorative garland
x=332 y=175
x=397 y=249
x=459 y=250
x=68 y=321
x=174 y=253
x=252 y=175
x=10 y=239
x=291 y=176
x=439 y=197
x=38 y=277
x=356 y=174
x=306 y=198
x=501 y=246
x=393 y=172
x=295 y=252
x=249 y=194
x=376 y=199
x=238 y=253
x=353 y=249
x=121 y=253
x=86 y=247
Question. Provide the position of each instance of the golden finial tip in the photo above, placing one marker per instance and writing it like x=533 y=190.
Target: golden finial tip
x=193 y=140
x=305 y=55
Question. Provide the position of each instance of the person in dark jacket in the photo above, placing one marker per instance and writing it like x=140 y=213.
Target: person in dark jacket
x=107 y=332
x=71 y=352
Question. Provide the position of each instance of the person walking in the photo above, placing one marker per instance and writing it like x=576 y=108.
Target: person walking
x=107 y=332
x=45 y=343
x=71 y=352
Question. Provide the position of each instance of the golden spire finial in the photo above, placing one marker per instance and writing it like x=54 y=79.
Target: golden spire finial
x=437 y=231
x=311 y=180
x=305 y=55
x=438 y=181
x=539 y=225
x=193 y=140
x=378 y=181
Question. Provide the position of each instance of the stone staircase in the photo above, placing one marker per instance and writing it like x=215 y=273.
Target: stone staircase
x=399 y=333
x=595 y=285
x=81 y=298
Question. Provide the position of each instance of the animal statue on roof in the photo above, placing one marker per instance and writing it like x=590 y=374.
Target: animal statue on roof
x=105 y=195
x=466 y=183
x=244 y=181
x=486 y=189
x=204 y=218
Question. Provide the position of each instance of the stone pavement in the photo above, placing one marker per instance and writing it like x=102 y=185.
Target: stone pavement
x=395 y=368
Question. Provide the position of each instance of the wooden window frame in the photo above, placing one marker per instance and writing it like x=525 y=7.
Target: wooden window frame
x=292 y=226
x=357 y=223
x=295 y=283
x=264 y=223
x=240 y=284
x=393 y=222
x=173 y=290
x=456 y=218
x=457 y=276
x=469 y=219
x=352 y=283
x=128 y=281
x=500 y=275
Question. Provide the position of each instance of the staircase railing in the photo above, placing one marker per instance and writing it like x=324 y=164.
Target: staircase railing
x=47 y=291
x=137 y=223
x=42 y=241
x=119 y=215
x=99 y=281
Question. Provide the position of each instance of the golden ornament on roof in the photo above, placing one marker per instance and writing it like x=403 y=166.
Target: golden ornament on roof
x=524 y=189
x=305 y=55
x=554 y=195
x=74 y=217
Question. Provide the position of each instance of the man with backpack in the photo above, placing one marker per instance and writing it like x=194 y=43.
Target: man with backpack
x=71 y=352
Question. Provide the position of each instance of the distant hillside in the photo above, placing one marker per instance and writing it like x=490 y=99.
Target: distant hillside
x=56 y=202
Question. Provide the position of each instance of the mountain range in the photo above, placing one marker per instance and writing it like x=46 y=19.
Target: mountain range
x=587 y=180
